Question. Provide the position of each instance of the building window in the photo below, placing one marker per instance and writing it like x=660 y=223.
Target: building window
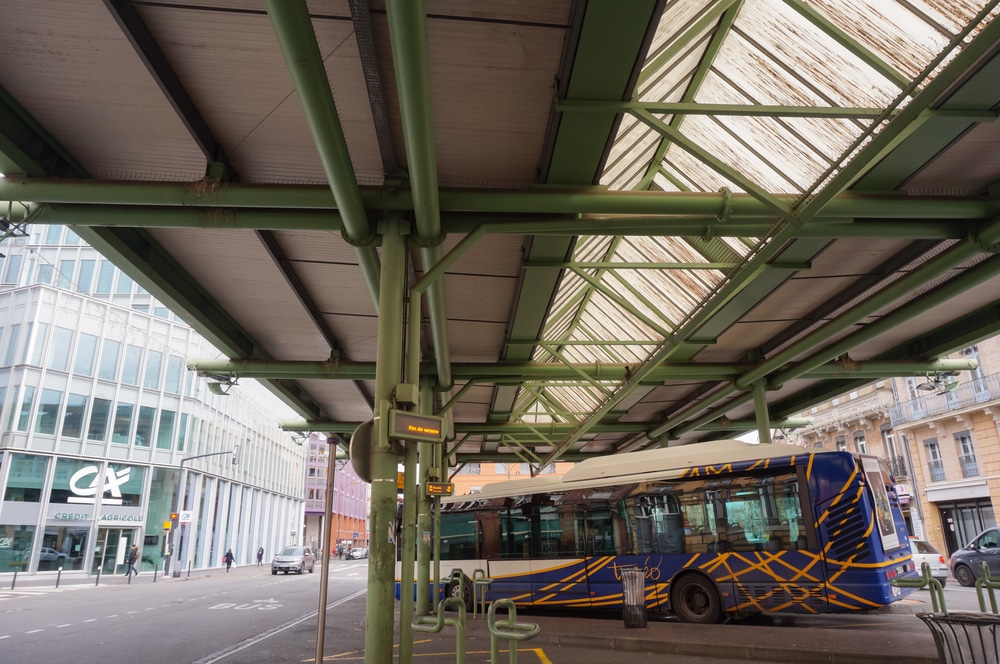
x=841 y=443
x=105 y=277
x=860 y=443
x=76 y=406
x=123 y=423
x=165 y=432
x=469 y=469
x=934 y=462
x=99 y=417
x=62 y=342
x=966 y=454
x=48 y=412
x=38 y=345
x=85 y=349
x=109 y=360
x=154 y=362
x=144 y=426
x=124 y=286
x=130 y=367
x=26 y=405
x=11 y=350
x=86 y=277
x=175 y=366
x=65 y=278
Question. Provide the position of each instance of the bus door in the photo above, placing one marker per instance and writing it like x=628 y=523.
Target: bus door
x=559 y=574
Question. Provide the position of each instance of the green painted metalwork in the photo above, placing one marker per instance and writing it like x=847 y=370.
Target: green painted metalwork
x=586 y=201
x=293 y=27
x=695 y=108
x=760 y=410
x=389 y=370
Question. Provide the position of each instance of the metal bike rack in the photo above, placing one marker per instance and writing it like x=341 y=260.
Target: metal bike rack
x=434 y=624
x=508 y=629
x=480 y=585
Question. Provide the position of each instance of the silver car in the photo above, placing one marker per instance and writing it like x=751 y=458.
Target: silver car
x=924 y=552
x=296 y=559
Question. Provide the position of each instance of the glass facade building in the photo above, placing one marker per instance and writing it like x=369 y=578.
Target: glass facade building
x=97 y=411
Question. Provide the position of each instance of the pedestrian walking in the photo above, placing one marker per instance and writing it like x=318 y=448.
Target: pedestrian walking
x=133 y=557
x=260 y=556
x=229 y=560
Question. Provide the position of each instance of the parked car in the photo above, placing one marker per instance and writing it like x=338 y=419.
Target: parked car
x=48 y=554
x=296 y=559
x=983 y=548
x=357 y=553
x=924 y=552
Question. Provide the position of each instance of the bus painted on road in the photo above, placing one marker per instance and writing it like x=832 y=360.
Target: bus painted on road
x=719 y=529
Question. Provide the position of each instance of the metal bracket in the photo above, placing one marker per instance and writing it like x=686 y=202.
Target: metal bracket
x=983 y=246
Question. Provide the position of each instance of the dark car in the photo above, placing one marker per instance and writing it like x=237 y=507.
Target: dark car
x=357 y=553
x=296 y=559
x=983 y=548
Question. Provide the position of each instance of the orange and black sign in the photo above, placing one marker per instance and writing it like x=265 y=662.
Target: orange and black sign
x=410 y=426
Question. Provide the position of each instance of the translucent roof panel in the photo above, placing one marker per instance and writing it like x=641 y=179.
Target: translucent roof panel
x=766 y=97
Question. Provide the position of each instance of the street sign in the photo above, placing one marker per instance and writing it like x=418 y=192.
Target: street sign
x=189 y=516
x=440 y=489
x=167 y=525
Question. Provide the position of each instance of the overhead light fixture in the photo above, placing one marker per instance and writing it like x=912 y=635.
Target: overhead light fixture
x=927 y=387
x=948 y=387
x=220 y=384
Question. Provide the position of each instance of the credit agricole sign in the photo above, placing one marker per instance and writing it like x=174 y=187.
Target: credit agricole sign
x=85 y=484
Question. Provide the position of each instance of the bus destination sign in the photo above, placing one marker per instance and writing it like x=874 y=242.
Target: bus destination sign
x=410 y=426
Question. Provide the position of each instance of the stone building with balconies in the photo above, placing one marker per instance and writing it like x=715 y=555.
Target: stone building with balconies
x=940 y=437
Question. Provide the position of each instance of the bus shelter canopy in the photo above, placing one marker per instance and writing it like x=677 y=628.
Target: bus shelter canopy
x=625 y=220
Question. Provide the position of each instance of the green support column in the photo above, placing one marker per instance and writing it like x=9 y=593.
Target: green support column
x=408 y=531
x=388 y=372
x=425 y=461
x=760 y=409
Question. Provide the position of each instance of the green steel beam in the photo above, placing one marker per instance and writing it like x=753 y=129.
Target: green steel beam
x=585 y=200
x=548 y=372
x=410 y=56
x=695 y=108
x=294 y=30
x=112 y=216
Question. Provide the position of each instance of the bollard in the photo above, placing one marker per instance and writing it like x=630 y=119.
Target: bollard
x=98 y=581
x=13 y=581
x=189 y=570
x=633 y=596
x=58 y=576
x=129 y=577
x=156 y=568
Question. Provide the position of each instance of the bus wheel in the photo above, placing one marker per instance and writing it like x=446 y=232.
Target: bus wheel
x=964 y=576
x=461 y=589
x=695 y=600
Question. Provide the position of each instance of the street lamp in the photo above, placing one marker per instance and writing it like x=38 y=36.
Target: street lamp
x=335 y=453
x=176 y=536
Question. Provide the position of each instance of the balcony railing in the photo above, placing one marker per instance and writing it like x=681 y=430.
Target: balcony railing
x=969 y=466
x=967 y=394
x=898 y=467
x=868 y=406
x=936 y=466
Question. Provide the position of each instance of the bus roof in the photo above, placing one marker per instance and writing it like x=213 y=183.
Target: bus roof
x=637 y=466
x=676 y=458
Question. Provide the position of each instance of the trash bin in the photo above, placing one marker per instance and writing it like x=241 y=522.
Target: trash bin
x=965 y=638
x=634 y=596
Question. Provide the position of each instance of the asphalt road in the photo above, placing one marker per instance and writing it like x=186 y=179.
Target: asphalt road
x=247 y=617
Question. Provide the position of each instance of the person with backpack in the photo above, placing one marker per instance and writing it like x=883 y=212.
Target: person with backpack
x=133 y=557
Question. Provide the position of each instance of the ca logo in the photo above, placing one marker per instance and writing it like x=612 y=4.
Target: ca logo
x=87 y=494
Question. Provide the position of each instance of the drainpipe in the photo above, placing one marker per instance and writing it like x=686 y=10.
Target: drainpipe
x=294 y=29
x=408 y=35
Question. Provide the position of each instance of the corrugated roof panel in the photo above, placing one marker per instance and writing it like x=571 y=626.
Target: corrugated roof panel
x=785 y=36
x=678 y=16
x=695 y=174
x=898 y=32
x=630 y=156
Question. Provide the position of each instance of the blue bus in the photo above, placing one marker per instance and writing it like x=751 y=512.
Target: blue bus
x=719 y=529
